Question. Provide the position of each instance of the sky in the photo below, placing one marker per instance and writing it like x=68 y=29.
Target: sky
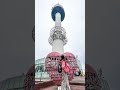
x=73 y=23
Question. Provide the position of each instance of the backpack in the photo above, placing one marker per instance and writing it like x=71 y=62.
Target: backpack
x=59 y=68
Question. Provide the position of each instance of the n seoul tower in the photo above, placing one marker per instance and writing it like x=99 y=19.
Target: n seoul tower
x=58 y=34
x=58 y=39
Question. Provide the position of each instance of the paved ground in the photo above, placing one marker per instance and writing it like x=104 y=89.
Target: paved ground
x=80 y=80
x=73 y=87
x=76 y=79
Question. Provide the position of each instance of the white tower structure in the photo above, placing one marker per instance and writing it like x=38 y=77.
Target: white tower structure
x=57 y=34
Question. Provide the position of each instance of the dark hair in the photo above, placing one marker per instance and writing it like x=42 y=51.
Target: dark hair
x=62 y=57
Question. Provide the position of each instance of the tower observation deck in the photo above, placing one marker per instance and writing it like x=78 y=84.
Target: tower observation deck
x=58 y=9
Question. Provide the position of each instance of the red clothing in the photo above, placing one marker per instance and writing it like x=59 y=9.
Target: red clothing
x=65 y=66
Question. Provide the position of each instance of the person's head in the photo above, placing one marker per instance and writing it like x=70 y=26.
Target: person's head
x=62 y=57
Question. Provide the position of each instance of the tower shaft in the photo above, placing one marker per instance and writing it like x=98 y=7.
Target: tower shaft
x=58 y=36
x=58 y=19
x=58 y=45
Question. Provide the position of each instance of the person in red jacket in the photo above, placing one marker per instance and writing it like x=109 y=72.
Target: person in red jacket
x=65 y=65
x=65 y=69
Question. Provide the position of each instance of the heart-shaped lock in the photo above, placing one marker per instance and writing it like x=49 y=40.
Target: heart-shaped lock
x=52 y=62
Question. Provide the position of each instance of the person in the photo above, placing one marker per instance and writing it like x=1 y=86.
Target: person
x=65 y=69
x=65 y=65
